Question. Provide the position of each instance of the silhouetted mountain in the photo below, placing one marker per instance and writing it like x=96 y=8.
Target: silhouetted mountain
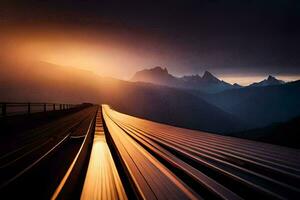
x=209 y=78
x=267 y=82
x=207 y=83
x=211 y=84
x=259 y=106
x=237 y=85
x=156 y=75
x=286 y=133
x=50 y=83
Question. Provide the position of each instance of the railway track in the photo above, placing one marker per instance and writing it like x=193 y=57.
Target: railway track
x=210 y=165
x=38 y=148
x=117 y=156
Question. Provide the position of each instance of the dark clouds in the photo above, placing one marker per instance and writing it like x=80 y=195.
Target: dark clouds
x=251 y=36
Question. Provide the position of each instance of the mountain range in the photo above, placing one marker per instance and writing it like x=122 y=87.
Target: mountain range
x=44 y=82
x=256 y=105
x=271 y=80
x=233 y=110
x=259 y=106
x=207 y=83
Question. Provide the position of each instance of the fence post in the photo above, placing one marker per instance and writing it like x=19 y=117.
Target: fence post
x=28 y=108
x=3 y=109
x=45 y=108
x=60 y=106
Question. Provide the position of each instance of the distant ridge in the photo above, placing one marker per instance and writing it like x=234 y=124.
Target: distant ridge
x=271 y=80
x=237 y=85
x=285 y=133
x=162 y=104
x=160 y=76
x=157 y=75
x=261 y=105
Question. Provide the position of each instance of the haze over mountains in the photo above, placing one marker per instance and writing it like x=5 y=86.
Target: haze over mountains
x=259 y=106
x=175 y=101
x=207 y=83
x=286 y=133
x=50 y=83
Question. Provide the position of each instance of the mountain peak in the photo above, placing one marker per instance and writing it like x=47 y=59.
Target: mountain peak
x=207 y=73
x=271 y=78
x=156 y=75
x=159 y=69
x=159 y=75
x=207 y=76
x=237 y=85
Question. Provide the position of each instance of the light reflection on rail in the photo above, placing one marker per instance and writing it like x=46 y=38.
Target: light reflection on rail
x=102 y=180
x=261 y=170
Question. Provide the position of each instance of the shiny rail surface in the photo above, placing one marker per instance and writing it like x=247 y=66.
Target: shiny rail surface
x=67 y=185
x=169 y=162
x=117 y=156
x=102 y=180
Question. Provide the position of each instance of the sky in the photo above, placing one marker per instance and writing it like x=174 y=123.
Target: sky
x=239 y=41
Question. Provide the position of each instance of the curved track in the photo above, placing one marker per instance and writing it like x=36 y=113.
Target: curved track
x=110 y=155
x=165 y=160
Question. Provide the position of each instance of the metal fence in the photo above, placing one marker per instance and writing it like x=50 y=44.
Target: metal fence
x=9 y=108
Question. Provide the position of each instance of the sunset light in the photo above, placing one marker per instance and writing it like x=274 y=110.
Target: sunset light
x=179 y=100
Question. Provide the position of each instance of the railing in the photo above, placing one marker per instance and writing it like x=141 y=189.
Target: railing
x=9 y=108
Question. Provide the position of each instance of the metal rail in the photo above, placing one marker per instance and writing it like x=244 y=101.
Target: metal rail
x=214 y=166
x=68 y=182
x=11 y=160
x=102 y=180
x=35 y=162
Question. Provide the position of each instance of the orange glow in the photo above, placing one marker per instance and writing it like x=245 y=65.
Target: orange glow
x=101 y=53
x=102 y=180
x=95 y=57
